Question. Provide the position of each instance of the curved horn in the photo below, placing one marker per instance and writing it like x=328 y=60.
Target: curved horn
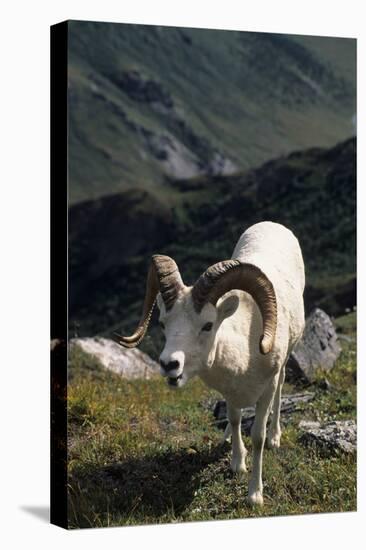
x=233 y=274
x=163 y=277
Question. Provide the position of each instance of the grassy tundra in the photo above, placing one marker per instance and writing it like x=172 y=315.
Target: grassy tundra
x=140 y=453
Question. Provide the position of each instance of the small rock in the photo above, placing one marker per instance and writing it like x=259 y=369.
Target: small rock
x=318 y=349
x=331 y=436
x=191 y=451
x=309 y=424
x=220 y=410
x=325 y=384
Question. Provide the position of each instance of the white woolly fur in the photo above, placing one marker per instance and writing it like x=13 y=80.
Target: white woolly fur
x=227 y=358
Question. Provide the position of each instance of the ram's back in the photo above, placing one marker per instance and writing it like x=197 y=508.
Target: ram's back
x=276 y=251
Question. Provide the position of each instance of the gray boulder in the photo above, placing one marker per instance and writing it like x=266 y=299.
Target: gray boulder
x=129 y=363
x=339 y=435
x=318 y=349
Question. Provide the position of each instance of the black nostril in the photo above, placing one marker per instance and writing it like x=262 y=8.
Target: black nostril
x=170 y=366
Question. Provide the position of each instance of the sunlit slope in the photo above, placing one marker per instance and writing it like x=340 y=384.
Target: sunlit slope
x=149 y=103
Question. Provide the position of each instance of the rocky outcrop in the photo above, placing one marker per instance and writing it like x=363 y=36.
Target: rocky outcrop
x=143 y=89
x=129 y=363
x=178 y=161
x=318 y=349
x=339 y=435
x=181 y=152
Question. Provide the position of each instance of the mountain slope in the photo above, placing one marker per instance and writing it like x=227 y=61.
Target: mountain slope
x=148 y=103
x=312 y=192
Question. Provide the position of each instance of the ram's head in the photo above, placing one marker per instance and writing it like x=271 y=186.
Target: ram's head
x=191 y=316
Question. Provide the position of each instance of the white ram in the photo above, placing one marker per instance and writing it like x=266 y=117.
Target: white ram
x=235 y=328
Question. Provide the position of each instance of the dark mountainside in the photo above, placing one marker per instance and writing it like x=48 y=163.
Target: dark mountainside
x=313 y=192
x=149 y=105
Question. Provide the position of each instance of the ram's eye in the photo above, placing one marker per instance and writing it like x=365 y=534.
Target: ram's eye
x=162 y=325
x=207 y=327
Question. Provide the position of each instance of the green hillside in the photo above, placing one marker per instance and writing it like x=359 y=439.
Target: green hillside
x=150 y=105
x=312 y=192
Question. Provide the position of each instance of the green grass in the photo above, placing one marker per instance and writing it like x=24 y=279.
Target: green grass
x=347 y=323
x=140 y=453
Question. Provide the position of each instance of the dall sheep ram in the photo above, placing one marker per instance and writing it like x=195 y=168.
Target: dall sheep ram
x=234 y=328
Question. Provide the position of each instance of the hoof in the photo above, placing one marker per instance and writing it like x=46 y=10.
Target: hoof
x=274 y=442
x=238 y=466
x=255 y=499
x=227 y=435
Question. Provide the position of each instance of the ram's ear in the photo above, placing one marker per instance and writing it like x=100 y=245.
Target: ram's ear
x=227 y=308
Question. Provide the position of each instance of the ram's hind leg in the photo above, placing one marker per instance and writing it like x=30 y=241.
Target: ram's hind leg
x=258 y=433
x=239 y=450
x=274 y=431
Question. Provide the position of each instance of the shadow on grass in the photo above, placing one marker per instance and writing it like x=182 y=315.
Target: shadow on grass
x=139 y=490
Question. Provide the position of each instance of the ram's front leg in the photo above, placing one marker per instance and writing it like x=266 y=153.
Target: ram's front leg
x=258 y=434
x=239 y=450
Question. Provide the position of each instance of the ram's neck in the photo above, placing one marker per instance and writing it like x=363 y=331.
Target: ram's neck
x=239 y=371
